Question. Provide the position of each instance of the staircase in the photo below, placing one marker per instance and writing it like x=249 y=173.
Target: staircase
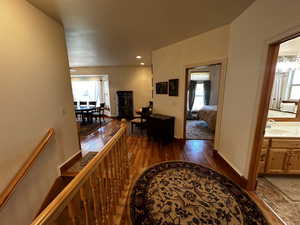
x=56 y=188
x=92 y=189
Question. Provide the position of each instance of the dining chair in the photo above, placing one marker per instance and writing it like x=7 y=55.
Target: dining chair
x=84 y=115
x=92 y=103
x=77 y=114
x=82 y=103
x=141 y=121
x=102 y=109
x=99 y=113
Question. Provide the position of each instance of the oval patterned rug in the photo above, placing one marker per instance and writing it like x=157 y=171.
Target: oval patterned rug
x=184 y=193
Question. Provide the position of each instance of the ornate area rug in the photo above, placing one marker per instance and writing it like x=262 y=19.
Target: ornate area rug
x=198 y=130
x=184 y=193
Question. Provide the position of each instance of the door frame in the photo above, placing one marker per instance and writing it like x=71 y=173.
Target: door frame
x=265 y=96
x=223 y=63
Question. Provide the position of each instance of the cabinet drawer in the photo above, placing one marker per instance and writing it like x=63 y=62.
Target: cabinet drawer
x=276 y=161
x=265 y=143
x=285 y=143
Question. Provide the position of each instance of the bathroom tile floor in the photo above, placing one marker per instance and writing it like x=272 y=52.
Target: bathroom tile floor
x=282 y=198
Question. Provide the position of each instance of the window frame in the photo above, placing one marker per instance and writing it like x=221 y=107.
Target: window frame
x=291 y=86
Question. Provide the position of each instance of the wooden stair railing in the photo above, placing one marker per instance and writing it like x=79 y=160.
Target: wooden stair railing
x=93 y=196
x=10 y=188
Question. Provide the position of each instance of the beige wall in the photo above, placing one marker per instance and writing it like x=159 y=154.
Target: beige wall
x=264 y=21
x=35 y=95
x=245 y=42
x=169 y=63
x=124 y=78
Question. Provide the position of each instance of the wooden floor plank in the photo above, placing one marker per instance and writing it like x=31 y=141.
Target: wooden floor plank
x=145 y=153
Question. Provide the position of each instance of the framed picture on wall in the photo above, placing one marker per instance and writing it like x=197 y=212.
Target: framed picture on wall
x=173 y=87
x=162 y=88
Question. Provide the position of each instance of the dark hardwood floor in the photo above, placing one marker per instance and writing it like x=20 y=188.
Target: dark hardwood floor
x=145 y=153
x=97 y=139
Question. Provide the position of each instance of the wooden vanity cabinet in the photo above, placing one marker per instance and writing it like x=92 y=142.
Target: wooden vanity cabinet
x=293 y=161
x=263 y=155
x=280 y=156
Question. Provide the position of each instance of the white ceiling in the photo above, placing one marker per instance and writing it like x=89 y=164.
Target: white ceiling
x=114 y=32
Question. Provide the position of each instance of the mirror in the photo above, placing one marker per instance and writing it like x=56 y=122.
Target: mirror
x=285 y=96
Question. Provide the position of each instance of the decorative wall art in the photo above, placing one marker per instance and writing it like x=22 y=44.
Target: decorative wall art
x=162 y=88
x=173 y=87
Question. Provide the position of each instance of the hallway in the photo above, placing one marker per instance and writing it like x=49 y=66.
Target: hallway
x=143 y=153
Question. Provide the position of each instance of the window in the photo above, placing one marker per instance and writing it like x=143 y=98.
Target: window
x=86 y=90
x=199 y=97
x=200 y=76
x=295 y=86
x=106 y=92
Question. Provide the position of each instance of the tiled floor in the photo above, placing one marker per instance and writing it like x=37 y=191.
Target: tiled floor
x=279 y=200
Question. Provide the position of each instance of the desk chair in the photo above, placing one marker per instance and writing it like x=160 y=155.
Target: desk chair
x=140 y=121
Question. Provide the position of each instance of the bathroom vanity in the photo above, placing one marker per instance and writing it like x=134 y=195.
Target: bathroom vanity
x=281 y=149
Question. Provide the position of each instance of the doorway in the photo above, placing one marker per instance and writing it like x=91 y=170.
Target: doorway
x=204 y=87
x=275 y=163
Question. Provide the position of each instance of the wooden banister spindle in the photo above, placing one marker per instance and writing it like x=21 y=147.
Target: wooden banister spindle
x=99 y=199
x=116 y=171
x=108 y=188
x=122 y=154
x=72 y=213
x=101 y=194
x=118 y=155
x=120 y=151
x=84 y=198
x=113 y=180
x=95 y=199
x=124 y=158
x=126 y=161
x=92 y=197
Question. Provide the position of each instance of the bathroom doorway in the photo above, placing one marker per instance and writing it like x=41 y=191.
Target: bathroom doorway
x=275 y=163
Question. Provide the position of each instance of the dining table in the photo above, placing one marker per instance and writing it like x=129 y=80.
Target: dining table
x=85 y=112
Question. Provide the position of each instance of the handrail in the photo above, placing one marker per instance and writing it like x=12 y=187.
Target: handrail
x=107 y=172
x=10 y=188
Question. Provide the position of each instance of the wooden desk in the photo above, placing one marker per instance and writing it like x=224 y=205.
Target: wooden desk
x=161 y=127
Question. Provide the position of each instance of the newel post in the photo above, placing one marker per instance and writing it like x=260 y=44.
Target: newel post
x=126 y=155
x=123 y=123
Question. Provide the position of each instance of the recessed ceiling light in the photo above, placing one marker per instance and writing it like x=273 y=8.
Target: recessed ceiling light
x=139 y=57
x=142 y=63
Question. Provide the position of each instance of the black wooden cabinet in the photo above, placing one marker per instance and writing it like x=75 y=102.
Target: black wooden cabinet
x=161 y=127
x=125 y=104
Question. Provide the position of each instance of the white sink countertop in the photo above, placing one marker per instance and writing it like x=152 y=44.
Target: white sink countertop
x=283 y=129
